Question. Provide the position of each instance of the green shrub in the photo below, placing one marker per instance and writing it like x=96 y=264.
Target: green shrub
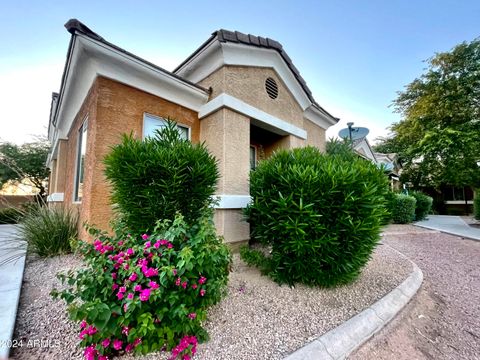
x=321 y=214
x=389 y=204
x=476 y=205
x=147 y=292
x=9 y=216
x=154 y=178
x=403 y=209
x=49 y=230
x=423 y=206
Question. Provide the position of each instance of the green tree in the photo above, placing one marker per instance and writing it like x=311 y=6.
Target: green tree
x=438 y=138
x=19 y=163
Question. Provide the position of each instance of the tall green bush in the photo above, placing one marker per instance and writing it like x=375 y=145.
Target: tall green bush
x=321 y=214
x=423 y=206
x=476 y=205
x=156 y=177
x=403 y=209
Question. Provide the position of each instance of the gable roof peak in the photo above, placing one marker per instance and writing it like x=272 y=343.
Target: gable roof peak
x=75 y=25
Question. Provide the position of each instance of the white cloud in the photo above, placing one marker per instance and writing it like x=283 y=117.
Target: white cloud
x=25 y=94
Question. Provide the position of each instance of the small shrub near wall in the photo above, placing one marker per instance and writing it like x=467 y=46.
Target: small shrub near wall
x=476 y=205
x=321 y=214
x=423 y=206
x=157 y=177
x=9 y=216
x=144 y=293
x=403 y=209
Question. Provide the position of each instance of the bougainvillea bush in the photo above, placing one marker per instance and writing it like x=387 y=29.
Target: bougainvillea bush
x=147 y=292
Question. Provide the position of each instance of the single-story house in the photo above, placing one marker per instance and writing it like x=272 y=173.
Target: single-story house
x=238 y=93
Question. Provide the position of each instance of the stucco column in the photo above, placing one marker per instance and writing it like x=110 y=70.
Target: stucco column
x=227 y=136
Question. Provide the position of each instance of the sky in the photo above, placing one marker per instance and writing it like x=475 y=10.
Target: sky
x=355 y=55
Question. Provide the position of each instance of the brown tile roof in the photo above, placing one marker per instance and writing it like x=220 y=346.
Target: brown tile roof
x=237 y=37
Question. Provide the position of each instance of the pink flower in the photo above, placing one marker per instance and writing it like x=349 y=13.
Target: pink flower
x=147 y=244
x=129 y=348
x=122 y=289
x=174 y=271
x=102 y=357
x=130 y=296
x=120 y=243
x=192 y=315
x=150 y=272
x=145 y=237
x=126 y=266
x=202 y=280
x=90 y=352
x=125 y=330
x=137 y=342
x=145 y=295
x=105 y=343
x=178 y=281
x=83 y=324
x=169 y=246
x=156 y=245
x=114 y=287
x=125 y=307
x=186 y=357
x=138 y=287
x=202 y=292
x=119 y=295
x=117 y=344
x=153 y=285
x=91 y=330
x=130 y=252
x=184 y=284
x=194 y=286
x=114 y=275
x=133 y=277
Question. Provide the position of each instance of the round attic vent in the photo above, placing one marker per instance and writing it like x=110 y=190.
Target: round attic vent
x=271 y=87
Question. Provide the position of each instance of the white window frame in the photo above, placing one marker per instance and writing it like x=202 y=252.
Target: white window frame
x=82 y=134
x=163 y=121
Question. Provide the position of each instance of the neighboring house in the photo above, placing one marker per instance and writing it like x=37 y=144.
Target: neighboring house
x=240 y=94
x=388 y=161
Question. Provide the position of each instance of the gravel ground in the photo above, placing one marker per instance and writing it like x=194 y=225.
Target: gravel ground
x=258 y=319
x=443 y=319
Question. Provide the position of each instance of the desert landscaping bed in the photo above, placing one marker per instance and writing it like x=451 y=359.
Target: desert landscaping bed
x=257 y=320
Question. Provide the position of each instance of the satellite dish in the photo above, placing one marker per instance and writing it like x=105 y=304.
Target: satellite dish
x=353 y=132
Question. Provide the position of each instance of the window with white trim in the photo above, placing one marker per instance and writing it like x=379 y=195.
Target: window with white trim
x=80 y=164
x=151 y=123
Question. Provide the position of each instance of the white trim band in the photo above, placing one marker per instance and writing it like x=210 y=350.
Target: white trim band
x=232 y=201
x=55 y=197
x=272 y=123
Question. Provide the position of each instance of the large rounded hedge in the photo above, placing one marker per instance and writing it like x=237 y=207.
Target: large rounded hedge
x=321 y=214
x=154 y=178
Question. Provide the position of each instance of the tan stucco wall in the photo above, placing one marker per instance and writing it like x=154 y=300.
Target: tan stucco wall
x=248 y=85
x=227 y=136
x=316 y=135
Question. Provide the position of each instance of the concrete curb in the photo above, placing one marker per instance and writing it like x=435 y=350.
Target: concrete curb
x=455 y=233
x=10 y=288
x=340 y=342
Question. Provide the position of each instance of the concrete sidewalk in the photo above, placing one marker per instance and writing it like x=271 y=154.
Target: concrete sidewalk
x=454 y=225
x=11 y=276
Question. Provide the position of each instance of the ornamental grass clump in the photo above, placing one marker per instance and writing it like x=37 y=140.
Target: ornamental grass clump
x=140 y=293
x=320 y=214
